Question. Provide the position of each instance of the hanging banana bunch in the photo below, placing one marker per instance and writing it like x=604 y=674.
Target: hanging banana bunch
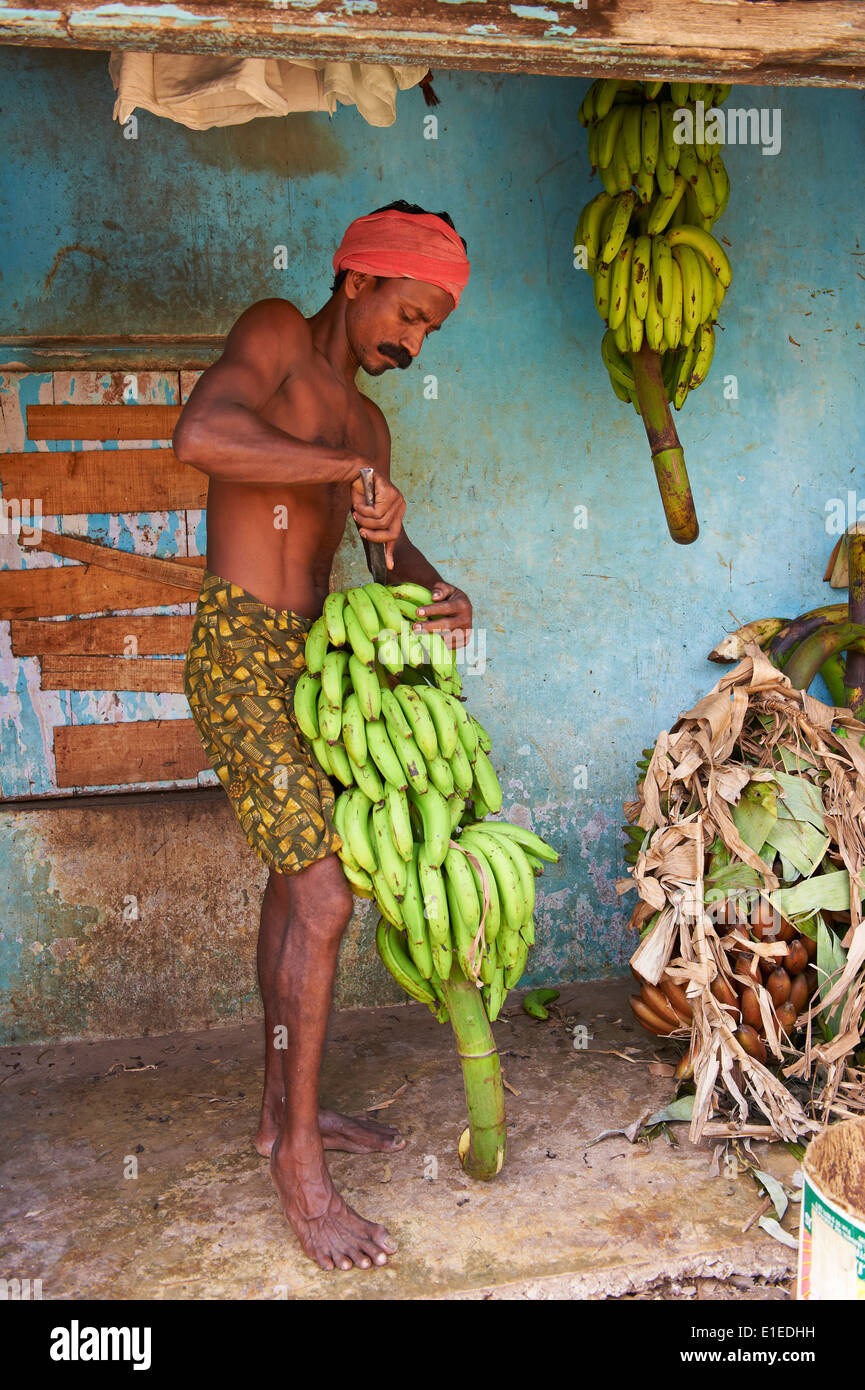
x=659 y=274
x=380 y=705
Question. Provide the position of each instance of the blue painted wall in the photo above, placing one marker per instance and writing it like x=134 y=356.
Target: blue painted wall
x=596 y=637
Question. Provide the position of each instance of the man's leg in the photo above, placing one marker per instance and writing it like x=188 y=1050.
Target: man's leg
x=333 y=1235
x=352 y=1134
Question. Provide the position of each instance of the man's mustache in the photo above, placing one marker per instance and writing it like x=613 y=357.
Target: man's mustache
x=401 y=357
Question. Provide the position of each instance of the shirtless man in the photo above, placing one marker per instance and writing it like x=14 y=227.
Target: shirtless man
x=281 y=429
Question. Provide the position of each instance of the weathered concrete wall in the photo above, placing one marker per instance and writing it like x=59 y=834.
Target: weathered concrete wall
x=141 y=917
x=595 y=637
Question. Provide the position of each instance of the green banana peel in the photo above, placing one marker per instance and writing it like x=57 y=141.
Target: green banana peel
x=482 y=1077
x=535 y=1002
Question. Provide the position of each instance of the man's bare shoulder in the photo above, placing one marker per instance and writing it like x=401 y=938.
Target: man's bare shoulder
x=270 y=328
x=377 y=416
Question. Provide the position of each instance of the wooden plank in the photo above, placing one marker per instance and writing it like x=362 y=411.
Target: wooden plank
x=121 y=561
x=146 y=750
x=102 y=421
x=104 y=480
x=817 y=42
x=134 y=635
x=162 y=675
x=68 y=590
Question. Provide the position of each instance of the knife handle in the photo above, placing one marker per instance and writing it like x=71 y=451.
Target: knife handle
x=375 y=549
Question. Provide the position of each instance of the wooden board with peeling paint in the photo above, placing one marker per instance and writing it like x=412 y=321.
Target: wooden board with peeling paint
x=795 y=42
x=33 y=715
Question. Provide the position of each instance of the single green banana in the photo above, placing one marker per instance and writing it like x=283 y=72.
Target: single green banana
x=605 y=92
x=316 y=646
x=705 y=192
x=333 y=619
x=396 y=805
x=620 y=284
x=398 y=961
x=443 y=717
x=321 y=751
x=417 y=934
x=654 y=322
x=435 y=818
x=357 y=638
x=462 y=770
x=367 y=777
x=514 y=973
x=593 y=216
x=413 y=764
x=385 y=605
x=381 y=750
x=366 y=686
x=620 y=216
x=684 y=375
x=673 y=318
x=466 y=728
x=440 y=775
x=680 y=92
x=418 y=716
x=650 y=135
x=665 y=205
x=708 y=246
x=391 y=863
x=363 y=606
x=630 y=137
x=435 y=906
x=306 y=694
x=601 y=284
x=635 y=327
x=641 y=263
x=665 y=177
x=412 y=593
x=340 y=766
x=462 y=935
x=358 y=832
x=359 y=881
x=354 y=729
x=511 y=899
x=333 y=668
x=329 y=719
x=608 y=133
x=485 y=878
x=705 y=351
x=692 y=290
x=669 y=146
x=527 y=838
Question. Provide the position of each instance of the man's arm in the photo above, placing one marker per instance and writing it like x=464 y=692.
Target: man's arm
x=450 y=612
x=220 y=432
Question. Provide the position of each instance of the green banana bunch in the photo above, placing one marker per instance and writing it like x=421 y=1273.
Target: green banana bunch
x=383 y=715
x=659 y=275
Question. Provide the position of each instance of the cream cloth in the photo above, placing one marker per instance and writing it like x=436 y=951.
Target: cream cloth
x=200 y=91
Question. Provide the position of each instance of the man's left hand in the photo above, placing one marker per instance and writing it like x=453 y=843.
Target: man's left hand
x=449 y=613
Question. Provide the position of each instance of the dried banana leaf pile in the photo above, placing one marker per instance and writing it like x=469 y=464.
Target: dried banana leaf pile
x=753 y=811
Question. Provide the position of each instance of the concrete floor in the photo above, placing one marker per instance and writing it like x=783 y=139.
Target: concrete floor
x=201 y=1219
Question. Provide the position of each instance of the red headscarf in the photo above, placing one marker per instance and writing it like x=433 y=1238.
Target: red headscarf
x=418 y=246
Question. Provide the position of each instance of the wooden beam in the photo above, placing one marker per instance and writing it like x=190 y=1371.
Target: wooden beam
x=102 y=421
x=163 y=675
x=110 y=755
x=69 y=590
x=103 y=480
x=134 y=635
x=796 y=42
x=108 y=557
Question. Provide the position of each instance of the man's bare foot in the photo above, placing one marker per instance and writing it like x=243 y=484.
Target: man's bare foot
x=352 y=1134
x=330 y=1232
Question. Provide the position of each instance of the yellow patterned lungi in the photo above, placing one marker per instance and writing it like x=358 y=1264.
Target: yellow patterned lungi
x=243 y=662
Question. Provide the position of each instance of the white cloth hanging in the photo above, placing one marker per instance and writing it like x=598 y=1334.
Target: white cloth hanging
x=200 y=91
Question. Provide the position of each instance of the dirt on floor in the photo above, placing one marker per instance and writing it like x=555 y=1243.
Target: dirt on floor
x=128 y=1168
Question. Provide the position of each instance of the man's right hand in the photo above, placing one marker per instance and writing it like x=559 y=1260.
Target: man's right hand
x=382 y=521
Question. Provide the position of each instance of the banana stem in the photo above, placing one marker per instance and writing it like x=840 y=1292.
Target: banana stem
x=482 y=1076
x=854 y=676
x=667 y=453
x=804 y=663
